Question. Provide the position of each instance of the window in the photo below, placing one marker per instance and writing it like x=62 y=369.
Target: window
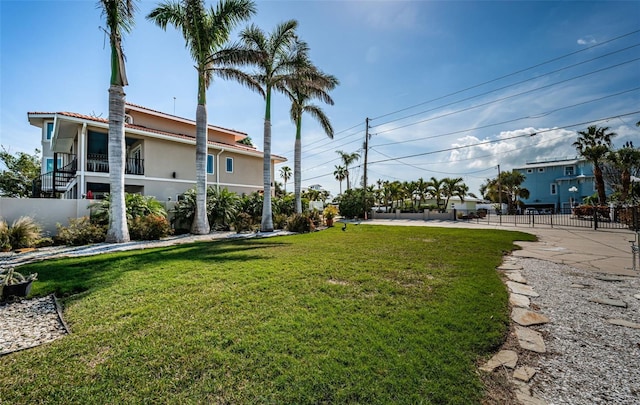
x=229 y=165
x=568 y=170
x=49 y=130
x=554 y=189
x=49 y=164
x=209 y=164
x=540 y=169
x=529 y=171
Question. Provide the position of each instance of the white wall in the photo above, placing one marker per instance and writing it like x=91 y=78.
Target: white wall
x=47 y=212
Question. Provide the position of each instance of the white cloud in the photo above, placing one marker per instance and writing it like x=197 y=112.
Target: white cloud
x=587 y=40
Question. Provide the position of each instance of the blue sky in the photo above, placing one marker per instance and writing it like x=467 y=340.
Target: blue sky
x=435 y=78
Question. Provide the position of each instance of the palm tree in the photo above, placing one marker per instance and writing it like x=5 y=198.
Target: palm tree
x=206 y=32
x=119 y=16
x=285 y=173
x=347 y=159
x=509 y=188
x=434 y=187
x=279 y=58
x=454 y=188
x=309 y=83
x=340 y=174
x=593 y=145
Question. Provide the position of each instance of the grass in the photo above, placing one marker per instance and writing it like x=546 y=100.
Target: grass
x=371 y=315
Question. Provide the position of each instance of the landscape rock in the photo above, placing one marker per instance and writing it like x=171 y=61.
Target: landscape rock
x=524 y=373
x=529 y=339
x=622 y=322
x=525 y=317
x=521 y=289
x=517 y=300
x=510 y=267
x=605 y=277
x=609 y=301
x=507 y=358
x=516 y=276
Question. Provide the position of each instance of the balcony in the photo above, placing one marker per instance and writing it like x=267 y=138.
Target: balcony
x=100 y=164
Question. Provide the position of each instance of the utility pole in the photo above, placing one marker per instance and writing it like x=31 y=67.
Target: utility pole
x=500 y=194
x=366 y=153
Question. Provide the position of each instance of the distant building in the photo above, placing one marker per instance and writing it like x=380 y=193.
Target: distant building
x=557 y=184
x=160 y=155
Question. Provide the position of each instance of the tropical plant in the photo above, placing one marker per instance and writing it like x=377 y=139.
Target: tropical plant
x=594 y=144
x=136 y=205
x=454 y=187
x=119 y=19
x=243 y=222
x=509 y=187
x=223 y=208
x=206 y=33
x=278 y=59
x=348 y=159
x=340 y=173
x=618 y=168
x=285 y=173
x=21 y=169
x=435 y=189
x=330 y=211
x=308 y=84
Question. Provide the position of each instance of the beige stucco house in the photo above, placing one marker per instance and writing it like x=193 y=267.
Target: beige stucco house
x=160 y=155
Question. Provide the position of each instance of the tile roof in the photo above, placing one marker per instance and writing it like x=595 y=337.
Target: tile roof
x=155 y=131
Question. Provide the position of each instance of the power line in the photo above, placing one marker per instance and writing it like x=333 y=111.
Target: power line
x=507 y=86
x=533 y=116
x=508 y=75
x=508 y=97
x=489 y=142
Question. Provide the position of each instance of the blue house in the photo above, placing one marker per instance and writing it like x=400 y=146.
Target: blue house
x=557 y=184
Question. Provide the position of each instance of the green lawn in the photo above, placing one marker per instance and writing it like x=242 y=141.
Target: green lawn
x=375 y=314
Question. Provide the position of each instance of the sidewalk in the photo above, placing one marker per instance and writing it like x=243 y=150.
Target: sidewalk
x=603 y=251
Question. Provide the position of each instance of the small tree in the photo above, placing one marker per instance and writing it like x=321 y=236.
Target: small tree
x=21 y=170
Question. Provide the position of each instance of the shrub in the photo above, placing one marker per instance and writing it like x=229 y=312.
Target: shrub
x=5 y=243
x=81 y=231
x=330 y=211
x=280 y=221
x=300 y=223
x=24 y=233
x=243 y=222
x=222 y=207
x=150 y=227
x=353 y=203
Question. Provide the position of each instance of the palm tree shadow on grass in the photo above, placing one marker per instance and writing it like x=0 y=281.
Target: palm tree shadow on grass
x=70 y=276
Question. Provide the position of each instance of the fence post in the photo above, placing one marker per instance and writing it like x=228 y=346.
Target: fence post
x=595 y=218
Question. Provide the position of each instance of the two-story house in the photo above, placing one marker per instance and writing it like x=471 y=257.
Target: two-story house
x=160 y=155
x=557 y=184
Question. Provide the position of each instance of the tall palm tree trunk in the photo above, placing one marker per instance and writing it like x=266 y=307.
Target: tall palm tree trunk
x=118 y=231
x=200 y=224
x=266 y=224
x=297 y=165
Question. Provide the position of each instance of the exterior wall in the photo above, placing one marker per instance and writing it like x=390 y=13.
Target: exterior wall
x=46 y=212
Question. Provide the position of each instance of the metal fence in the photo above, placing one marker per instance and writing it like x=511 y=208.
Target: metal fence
x=617 y=218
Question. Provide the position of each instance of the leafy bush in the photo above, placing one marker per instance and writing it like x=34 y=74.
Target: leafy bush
x=330 y=211
x=150 y=227
x=24 y=233
x=244 y=222
x=81 y=231
x=280 y=221
x=222 y=207
x=5 y=243
x=300 y=223
x=252 y=205
x=354 y=203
